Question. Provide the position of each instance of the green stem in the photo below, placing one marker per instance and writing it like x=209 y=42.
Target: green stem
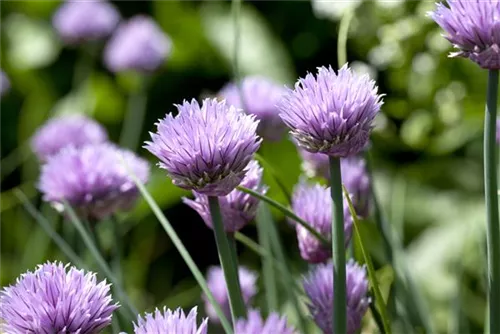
x=287 y=213
x=263 y=227
x=134 y=119
x=338 y=250
x=227 y=261
x=117 y=251
x=491 y=196
x=342 y=39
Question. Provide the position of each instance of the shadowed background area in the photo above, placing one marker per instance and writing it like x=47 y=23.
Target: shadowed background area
x=426 y=143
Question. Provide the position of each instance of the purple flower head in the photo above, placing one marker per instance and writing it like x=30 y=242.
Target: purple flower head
x=175 y=322
x=312 y=202
x=69 y=130
x=331 y=113
x=260 y=97
x=473 y=27
x=237 y=208
x=4 y=83
x=56 y=298
x=217 y=285
x=354 y=176
x=137 y=45
x=92 y=179
x=87 y=20
x=318 y=286
x=206 y=148
x=254 y=324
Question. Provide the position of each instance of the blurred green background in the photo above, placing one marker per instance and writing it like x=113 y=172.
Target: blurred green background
x=426 y=143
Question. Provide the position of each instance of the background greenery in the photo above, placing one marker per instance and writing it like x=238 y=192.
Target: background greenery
x=426 y=143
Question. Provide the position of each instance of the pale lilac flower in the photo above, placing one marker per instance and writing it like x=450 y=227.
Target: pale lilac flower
x=4 y=83
x=170 y=322
x=260 y=98
x=255 y=324
x=92 y=179
x=312 y=203
x=354 y=176
x=68 y=130
x=473 y=27
x=217 y=285
x=137 y=45
x=56 y=298
x=237 y=208
x=318 y=286
x=206 y=148
x=85 y=20
x=331 y=113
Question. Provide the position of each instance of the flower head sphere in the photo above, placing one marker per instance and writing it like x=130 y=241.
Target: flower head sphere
x=93 y=179
x=254 y=324
x=206 y=148
x=473 y=27
x=168 y=322
x=331 y=113
x=89 y=20
x=318 y=286
x=237 y=208
x=312 y=203
x=56 y=299
x=217 y=285
x=354 y=176
x=68 y=130
x=260 y=98
x=137 y=45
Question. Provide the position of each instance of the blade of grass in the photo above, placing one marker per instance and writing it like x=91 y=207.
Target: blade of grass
x=267 y=266
x=180 y=248
x=381 y=307
x=287 y=213
x=47 y=227
x=275 y=176
x=89 y=242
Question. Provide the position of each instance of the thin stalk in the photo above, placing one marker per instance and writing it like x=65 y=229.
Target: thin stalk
x=47 y=227
x=134 y=119
x=236 y=12
x=14 y=159
x=338 y=250
x=491 y=196
x=236 y=303
x=182 y=250
x=267 y=266
x=89 y=242
x=342 y=38
x=117 y=249
x=287 y=213
x=288 y=278
x=275 y=175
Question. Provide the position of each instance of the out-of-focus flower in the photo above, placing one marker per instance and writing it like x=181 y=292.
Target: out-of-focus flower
x=92 y=179
x=254 y=324
x=318 y=286
x=354 y=176
x=498 y=131
x=169 y=322
x=472 y=27
x=55 y=299
x=312 y=203
x=260 y=98
x=69 y=130
x=206 y=148
x=137 y=45
x=88 y=20
x=4 y=83
x=237 y=208
x=331 y=113
x=217 y=285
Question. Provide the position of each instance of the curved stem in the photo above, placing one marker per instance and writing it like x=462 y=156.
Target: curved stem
x=342 y=39
x=338 y=250
x=228 y=261
x=491 y=196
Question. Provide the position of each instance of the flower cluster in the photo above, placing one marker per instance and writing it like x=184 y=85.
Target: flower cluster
x=237 y=208
x=175 y=322
x=255 y=324
x=217 y=285
x=56 y=299
x=206 y=148
x=93 y=179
